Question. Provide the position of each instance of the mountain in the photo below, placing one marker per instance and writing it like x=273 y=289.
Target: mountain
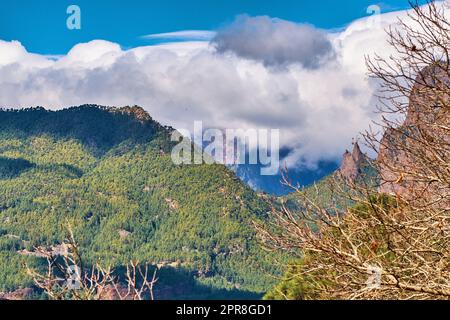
x=356 y=168
x=273 y=185
x=353 y=164
x=108 y=172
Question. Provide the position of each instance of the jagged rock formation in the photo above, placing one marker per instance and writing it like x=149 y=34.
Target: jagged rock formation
x=353 y=164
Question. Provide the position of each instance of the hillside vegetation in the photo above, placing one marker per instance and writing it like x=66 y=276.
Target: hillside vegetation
x=108 y=172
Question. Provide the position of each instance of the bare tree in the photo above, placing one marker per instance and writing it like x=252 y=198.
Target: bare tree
x=413 y=154
x=390 y=241
x=67 y=279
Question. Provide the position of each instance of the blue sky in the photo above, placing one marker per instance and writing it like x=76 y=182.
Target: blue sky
x=41 y=25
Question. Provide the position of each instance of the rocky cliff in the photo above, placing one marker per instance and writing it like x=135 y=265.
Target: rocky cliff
x=413 y=154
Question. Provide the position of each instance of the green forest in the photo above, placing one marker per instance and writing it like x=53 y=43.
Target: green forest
x=108 y=173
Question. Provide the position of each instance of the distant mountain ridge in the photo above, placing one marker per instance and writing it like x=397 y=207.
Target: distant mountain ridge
x=274 y=185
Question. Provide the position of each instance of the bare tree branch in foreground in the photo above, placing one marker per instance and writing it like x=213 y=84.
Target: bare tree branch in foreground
x=390 y=241
x=67 y=279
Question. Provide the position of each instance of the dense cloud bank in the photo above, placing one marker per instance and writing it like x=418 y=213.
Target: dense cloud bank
x=257 y=73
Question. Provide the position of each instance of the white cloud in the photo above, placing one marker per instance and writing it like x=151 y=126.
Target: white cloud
x=13 y=52
x=204 y=35
x=94 y=54
x=275 y=42
x=318 y=110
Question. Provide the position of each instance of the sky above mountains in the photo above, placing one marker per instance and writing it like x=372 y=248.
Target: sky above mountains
x=297 y=66
x=40 y=25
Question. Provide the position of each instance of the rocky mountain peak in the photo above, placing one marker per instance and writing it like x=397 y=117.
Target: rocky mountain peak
x=352 y=163
x=357 y=154
x=137 y=112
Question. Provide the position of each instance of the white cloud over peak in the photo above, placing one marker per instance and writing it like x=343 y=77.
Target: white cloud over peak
x=318 y=107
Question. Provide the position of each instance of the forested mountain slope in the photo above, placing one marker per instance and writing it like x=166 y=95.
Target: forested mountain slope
x=108 y=172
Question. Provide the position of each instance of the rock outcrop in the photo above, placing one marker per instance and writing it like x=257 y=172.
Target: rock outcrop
x=137 y=112
x=353 y=164
x=407 y=152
